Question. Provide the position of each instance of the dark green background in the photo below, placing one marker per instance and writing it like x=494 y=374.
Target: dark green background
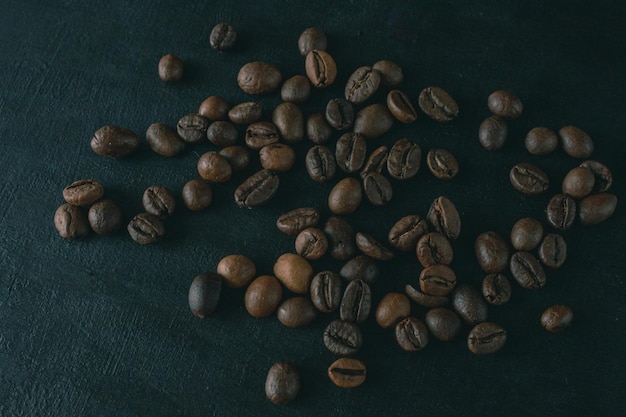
x=101 y=326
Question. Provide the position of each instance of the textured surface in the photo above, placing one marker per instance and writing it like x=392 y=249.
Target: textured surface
x=101 y=327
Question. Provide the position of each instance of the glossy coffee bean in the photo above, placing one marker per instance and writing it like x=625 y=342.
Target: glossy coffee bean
x=223 y=36
x=258 y=189
x=289 y=120
x=237 y=156
x=83 y=192
x=469 y=304
x=214 y=167
x=561 y=211
x=496 y=289
x=294 y=272
x=492 y=252
x=245 y=113
x=372 y=248
x=527 y=270
x=378 y=189
x=393 y=307
x=197 y=195
x=603 y=176
x=400 y=106
x=375 y=162
x=361 y=85
x=317 y=129
x=437 y=104
x=326 y=291
x=282 y=383
x=492 y=133
x=390 y=73
x=222 y=133
x=71 y=222
x=576 y=143
x=443 y=323
x=578 y=182
x=373 y=121
x=164 y=140
x=505 y=104
x=434 y=249
x=296 y=312
x=350 y=152
x=170 y=68
x=114 y=142
x=596 y=208
x=204 y=294
x=347 y=372
x=361 y=267
x=444 y=216
x=437 y=280
x=146 y=228
x=529 y=179
x=541 y=141
x=192 y=128
x=342 y=337
x=486 y=338
x=159 y=201
x=442 y=164
x=553 y=251
x=425 y=300
x=294 y=221
x=311 y=243
x=259 y=78
x=411 y=334
x=345 y=196
x=526 y=234
x=277 y=157
x=404 y=159
x=310 y=39
x=339 y=113
x=320 y=163
x=237 y=271
x=557 y=318
x=320 y=68
x=405 y=233
x=341 y=238
x=356 y=302
x=105 y=217
x=263 y=296
x=296 y=89
x=214 y=108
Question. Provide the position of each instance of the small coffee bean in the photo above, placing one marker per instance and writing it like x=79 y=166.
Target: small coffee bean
x=553 y=251
x=339 y=113
x=505 y=104
x=400 y=106
x=404 y=159
x=258 y=189
x=468 y=302
x=310 y=39
x=311 y=243
x=437 y=104
x=405 y=233
x=342 y=337
x=372 y=248
x=561 y=211
x=541 y=141
x=443 y=323
x=214 y=167
x=578 y=182
x=492 y=133
x=294 y=272
x=557 y=318
x=259 y=78
x=392 y=308
x=390 y=73
x=375 y=162
x=204 y=294
x=282 y=383
x=289 y=120
x=164 y=140
x=245 y=113
x=236 y=270
x=263 y=296
x=362 y=84
x=105 y=217
x=356 y=303
x=526 y=234
x=434 y=249
x=373 y=121
x=222 y=134
x=71 y=222
x=603 y=176
x=223 y=36
x=529 y=179
x=444 y=216
x=596 y=208
x=320 y=163
x=341 y=238
x=114 y=142
x=492 y=252
x=296 y=312
x=347 y=372
x=320 y=68
x=294 y=221
x=326 y=291
x=170 y=68
x=576 y=143
x=317 y=129
x=425 y=300
x=237 y=156
x=411 y=334
x=159 y=201
x=296 y=89
x=192 y=128
x=486 y=338
x=361 y=267
x=214 y=108
x=437 y=280
x=527 y=270
x=442 y=164
x=146 y=228
x=277 y=157
x=261 y=134
x=345 y=196
x=496 y=289
x=378 y=189
x=83 y=192
x=350 y=152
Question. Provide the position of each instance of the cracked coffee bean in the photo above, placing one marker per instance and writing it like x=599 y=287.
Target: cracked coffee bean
x=83 y=192
x=294 y=221
x=376 y=161
x=442 y=164
x=378 y=189
x=71 y=222
x=372 y=248
x=259 y=78
x=326 y=291
x=496 y=289
x=356 y=302
x=192 y=128
x=561 y=211
x=347 y=372
x=400 y=106
x=444 y=216
x=362 y=84
x=159 y=201
x=223 y=36
x=505 y=104
x=437 y=280
x=553 y=251
x=320 y=67
x=311 y=243
x=114 y=142
x=320 y=163
x=437 y=104
x=350 y=152
x=602 y=173
x=260 y=134
x=529 y=179
x=342 y=337
x=258 y=189
x=486 y=338
x=245 y=113
x=432 y=249
x=405 y=233
x=527 y=270
x=146 y=228
x=411 y=334
x=339 y=113
x=404 y=159
x=557 y=318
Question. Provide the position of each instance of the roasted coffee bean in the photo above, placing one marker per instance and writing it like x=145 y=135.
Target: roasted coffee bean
x=326 y=291
x=236 y=270
x=373 y=121
x=372 y=248
x=347 y=372
x=294 y=272
x=214 y=108
x=114 y=142
x=310 y=39
x=362 y=267
x=529 y=179
x=222 y=134
x=345 y=196
x=317 y=129
x=259 y=78
x=83 y=192
x=405 y=233
x=492 y=252
x=170 y=68
x=340 y=113
x=486 y=338
x=596 y=208
x=526 y=234
x=541 y=141
x=375 y=162
x=237 y=156
x=214 y=167
x=444 y=216
x=341 y=238
x=204 y=294
x=356 y=302
x=263 y=296
x=296 y=89
x=437 y=104
x=289 y=120
x=245 y=113
x=492 y=133
x=576 y=143
x=378 y=189
x=434 y=249
x=164 y=140
x=392 y=308
x=527 y=270
x=197 y=194
x=277 y=157
x=342 y=337
x=443 y=323
x=159 y=201
x=425 y=300
x=561 y=211
x=553 y=251
x=602 y=173
x=223 y=36
x=320 y=67
x=362 y=84
x=404 y=159
x=578 y=182
x=496 y=289
x=411 y=334
x=282 y=383
x=442 y=164
x=105 y=217
x=261 y=134
x=505 y=104
x=350 y=152
x=468 y=302
x=400 y=106
x=437 y=280
x=311 y=243
x=146 y=228
x=557 y=318
x=294 y=221
x=320 y=163
x=296 y=312
x=71 y=222
x=192 y=128
x=390 y=73
x=258 y=189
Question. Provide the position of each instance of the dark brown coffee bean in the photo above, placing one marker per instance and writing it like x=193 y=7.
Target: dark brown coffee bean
x=437 y=280
x=341 y=238
x=557 y=318
x=105 y=217
x=437 y=104
x=340 y=113
x=425 y=300
x=237 y=156
x=468 y=302
x=164 y=140
x=277 y=157
x=496 y=289
x=317 y=129
x=444 y=216
x=492 y=252
x=342 y=337
x=350 y=152
x=434 y=249
x=245 y=113
x=223 y=37
x=390 y=73
x=404 y=159
x=114 y=142
x=320 y=68
x=236 y=270
x=529 y=179
x=71 y=222
x=373 y=121
x=289 y=120
x=553 y=251
x=296 y=312
x=603 y=176
x=442 y=164
x=192 y=128
x=356 y=303
x=526 y=234
x=576 y=143
x=362 y=268
x=405 y=233
x=578 y=182
x=222 y=134
x=214 y=167
x=294 y=221
x=197 y=195
x=259 y=78
x=204 y=294
x=393 y=307
x=326 y=291
x=541 y=141
x=320 y=163
x=527 y=270
x=443 y=323
x=411 y=334
x=492 y=133
x=596 y=208
x=561 y=211
x=83 y=192
x=378 y=189
x=505 y=104
x=296 y=89
x=400 y=106
x=146 y=228
x=310 y=39
x=375 y=162
x=159 y=201
x=486 y=338
x=311 y=243
x=294 y=272
x=361 y=85
x=372 y=248
x=282 y=383
x=258 y=189
x=347 y=372
x=214 y=108
x=261 y=134
x=263 y=296
x=345 y=197
x=170 y=68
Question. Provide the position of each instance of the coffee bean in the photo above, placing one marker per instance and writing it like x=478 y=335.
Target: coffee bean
x=526 y=234
x=311 y=243
x=289 y=120
x=596 y=208
x=192 y=128
x=411 y=334
x=561 y=211
x=339 y=114
x=222 y=134
x=320 y=163
x=375 y=162
x=527 y=270
x=390 y=73
x=245 y=113
x=603 y=176
x=347 y=372
x=214 y=167
x=326 y=291
x=71 y=222
x=378 y=189
x=277 y=157
x=557 y=318
x=437 y=280
x=83 y=192
x=105 y=217
x=425 y=300
x=296 y=312
x=373 y=121
x=204 y=294
x=296 y=89
x=442 y=164
x=350 y=152
x=341 y=238
x=114 y=142
x=400 y=106
x=159 y=201
x=469 y=304
x=578 y=182
x=282 y=383
x=541 y=141
x=164 y=140
x=529 y=179
x=320 y=67
x=317 y=129
x=404 y=159
x=553 y=251
x=261 y=134
x=310 y=39
x=146 y=228
x=496 y=289
x=362 y=268
x=170 y=68
x=505 y=104
x=492 y=252
x=372 y=248
x=434 y=249
x=223 y=36
x=263 y=296
x=444 y=216
x=405 y=233
x=486 y=338
x=437 y=104
x=236 y=270
x=492 y=133
x=342 y=337
x=259 y=78
x=214 y=108
x=361 y=85
x=576 y=143
x=294 y=221
x=237 y=156
x=443 y=323
x=345 y=196
x=258 y=189
x=392 y=308
x=294 y=272
x=356 y=302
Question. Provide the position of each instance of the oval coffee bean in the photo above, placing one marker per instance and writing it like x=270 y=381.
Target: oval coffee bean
x=373 y=121
x=317 y=129
x=320 y=163
x=320 y=68
x=392 y=308
x=404 y=159
x=496 y=289
x=237 y=156
x=486 y=338
x=114 y=142
x=541 y=141
x=223 y=36
x=245 y=113
x=296 y=312
x=71 y=222
x=362 y=267
x=561 y=211
x=294 y=221
x=222 y=134
x=603 y=175
x=576 y=143
x=468 y=302
x=146 y=228
x=492 y=133
x=257 y=190
x=342 y=337
x=378 y=189
x=214 y=167
x=526 y=234
x=400 y=107
x=311 y=243
x=296 y=89
x=492 y=252
x=529 y=179
x=350 y=152
x=164 y=140
x=411 y=334
x=259 y=78
x=445 y=217
x=294 y=272
x=263 y=296
x=372 y=248
x=341 y=238
x=405 y=233
x=553 y=251
x=425 y=300
x=204 y=294
x=556 y=318
x=345 y=196
x=170 y=68
x=437 y=104
x=277 y=157
x=237 y=271
x=159 y=201
x=105 y=217
x=437 y=280
x=214 y=108
x=83 y=192
x=505 y=104
x=361 y=85
x=347 y=372
x=443 y=323
x=390 y=72
x=326 y=291
x=442 y=164
x=289 y=120
x=310 y=39
x=527 y=270
x=282 y=383
x=433 y=248
x=356 y=302
x=596 y=208
x=375 y=162
x=339 y=113
x=192 y=128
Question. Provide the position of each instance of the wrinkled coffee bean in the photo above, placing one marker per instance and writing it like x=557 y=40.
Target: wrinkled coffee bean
x=277 y=157
x=310 y=39
x=261 y=134
x=341 y=238
x=434 y=249
x=294 y=221
x=246 y=113
x=425 y=300
x=350 y=152
x=164 y=140
x=214 y=108
x=596 y=208
x=237 y=156
x=342 y=337
x=197 y=195
x=356 y=302
x=442 y=164
x=486 y=338
x=159 y=201
x=603 y=176
x=146 y=228
x=326 y=291
x=496 y=289
x=393 y=307
x=404 y=159
x=317 y=129
x=204 y=294
x=400 y=106
x=437 y=280
x=71 y=222
x=444 y=216
x=468 y=302
x=320 y=68
x=311 y=243
x=561 y=211
x=294 y=272
x=345 y=196
x=361 y=85
x=320 y=163
x=375 y=162
x=339 y=114
x=282 y=383
x=529 y=179
x=437 y=104
x=373 y=121
x=192 y=128
x=527 y=270
x=378 y=189
x=362 y=267
x=347 y=372
x=492 y=252
x=443 y=323
x=170 y=68
x=214 y=167
x=553 y=251
x=505 y=104
x=557 y=318
x=296 y=89
x=114 y=142
x=259 y=78
x=372 y=248
x=105 y=217
x=405 y=233
x=258 y=189
x=578 y=182
x=263 y=296
x=83 y=192
x=526 y=234
x=289 y=120
x=236 y=270
x=492 y=133
x=222 y=134
x=411 y=334
x=541 y=141
x=576 y=143
x=223 y=36
x=390 y=73
x=296 y=312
